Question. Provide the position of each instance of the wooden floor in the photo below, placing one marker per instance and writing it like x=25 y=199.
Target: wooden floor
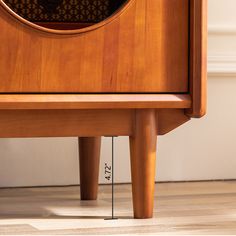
x=180 y=208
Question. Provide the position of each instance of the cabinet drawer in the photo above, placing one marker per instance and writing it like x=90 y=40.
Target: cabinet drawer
x=142 y=47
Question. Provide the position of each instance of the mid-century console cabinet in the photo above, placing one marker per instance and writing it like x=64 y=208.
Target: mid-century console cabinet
x=132 y=68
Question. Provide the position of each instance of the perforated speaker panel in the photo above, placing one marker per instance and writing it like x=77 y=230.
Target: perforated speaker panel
x=84 y=11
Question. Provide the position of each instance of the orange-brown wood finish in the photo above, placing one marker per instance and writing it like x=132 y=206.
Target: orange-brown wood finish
x=65 y=123
x=63 y=26
x=198 y=57
x=93 y=101
x=89 y=158
x=140 y=50
x=83 y=123
x=140 y=73
x=143 y=162
x=170 y=119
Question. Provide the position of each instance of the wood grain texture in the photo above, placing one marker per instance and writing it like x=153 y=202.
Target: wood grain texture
x=83 y=123
x=63 y=25
x=65 y=123
x=96 y=101
x=170 y=119
x=144 y=49
x=143 y=162
x=89 y=158
x=68 y=31
x=198 y=57
x=200 y=208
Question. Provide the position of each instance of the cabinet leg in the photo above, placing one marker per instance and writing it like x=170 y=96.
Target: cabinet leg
x=143 y=162
x=89 y=157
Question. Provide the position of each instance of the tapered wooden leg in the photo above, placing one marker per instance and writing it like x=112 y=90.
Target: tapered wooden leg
x=143 y=162
x=89 y=157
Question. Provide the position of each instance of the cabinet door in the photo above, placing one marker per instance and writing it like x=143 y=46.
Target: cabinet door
x=141 y=47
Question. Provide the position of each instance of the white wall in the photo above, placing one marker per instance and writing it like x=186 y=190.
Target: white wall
x=200 y=149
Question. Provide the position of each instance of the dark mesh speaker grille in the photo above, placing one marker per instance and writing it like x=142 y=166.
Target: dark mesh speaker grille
x=84 y=11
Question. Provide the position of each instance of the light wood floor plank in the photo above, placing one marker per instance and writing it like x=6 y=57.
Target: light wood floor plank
x=180 y=208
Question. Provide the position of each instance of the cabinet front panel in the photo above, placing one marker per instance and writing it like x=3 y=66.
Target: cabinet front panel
x=144 y=48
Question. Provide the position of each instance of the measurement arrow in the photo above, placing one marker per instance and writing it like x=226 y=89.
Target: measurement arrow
x=112 y=182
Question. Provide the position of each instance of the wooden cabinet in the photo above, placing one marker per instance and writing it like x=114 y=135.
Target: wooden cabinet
x=136 y=69
x=143 y=47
